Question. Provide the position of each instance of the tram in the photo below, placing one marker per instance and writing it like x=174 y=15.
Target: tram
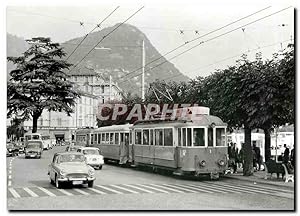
x=185 y=146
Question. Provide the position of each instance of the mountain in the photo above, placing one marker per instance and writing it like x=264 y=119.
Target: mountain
x=15 y=46
x=120 y=54
x=123 y=56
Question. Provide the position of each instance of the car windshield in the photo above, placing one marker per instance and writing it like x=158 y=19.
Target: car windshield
x=71 y=158
x=91 y=152
x=33 y=145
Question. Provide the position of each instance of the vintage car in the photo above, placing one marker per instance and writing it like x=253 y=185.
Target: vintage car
x=70 y=167
x=34 y=149
x=93 y=156
x=21 y=147
x=11 y=149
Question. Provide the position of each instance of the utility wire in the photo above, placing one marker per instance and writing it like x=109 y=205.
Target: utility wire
x=212 y=39
x=106 y=36
x=197 y=38
x=97 y=26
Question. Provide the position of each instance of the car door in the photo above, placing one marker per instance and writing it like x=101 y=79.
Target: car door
x=52 y=167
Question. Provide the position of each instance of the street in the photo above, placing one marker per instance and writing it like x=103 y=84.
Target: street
x=120 y=188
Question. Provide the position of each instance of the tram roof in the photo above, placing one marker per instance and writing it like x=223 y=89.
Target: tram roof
x=124 y=127
x=200 y=120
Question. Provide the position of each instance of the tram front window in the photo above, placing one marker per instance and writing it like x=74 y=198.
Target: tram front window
x=220 y=137
x=198 y=137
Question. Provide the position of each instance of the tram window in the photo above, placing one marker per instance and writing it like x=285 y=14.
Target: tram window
x=92 y=140
x=121 y=137
x=151 y=137
x=117 y=138
x=159 y=137
x=111 y=140
x=189 y=137
x=95 y=135
x=107 y=138
x=126 y=138
x=102 y=137
x=130 y=137
x=145 y=137
x=138 y=137
x=99 y=138
x=220 y=136
x=168 y=137
x=210 y=137
x=184 y=137
x=198 y=137
x=179 y=136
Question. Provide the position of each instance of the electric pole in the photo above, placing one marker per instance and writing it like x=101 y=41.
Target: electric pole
x=143 y=70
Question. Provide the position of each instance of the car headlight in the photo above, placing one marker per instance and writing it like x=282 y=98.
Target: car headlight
x=62 y=172
x=91 y=172
x=221 y=162
x=202 y=163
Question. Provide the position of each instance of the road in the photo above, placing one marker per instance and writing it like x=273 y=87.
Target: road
x=120 y=188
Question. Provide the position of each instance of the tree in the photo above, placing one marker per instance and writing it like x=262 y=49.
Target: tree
x=39 y=82
x=16 y=129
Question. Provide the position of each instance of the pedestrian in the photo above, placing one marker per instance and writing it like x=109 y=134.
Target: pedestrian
x=242 y=155
x=258 y=158
x=292 y=159
x=286 y=154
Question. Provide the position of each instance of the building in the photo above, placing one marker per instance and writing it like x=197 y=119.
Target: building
x=95 y=89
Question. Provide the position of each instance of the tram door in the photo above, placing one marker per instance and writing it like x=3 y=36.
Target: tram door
x=124 y=148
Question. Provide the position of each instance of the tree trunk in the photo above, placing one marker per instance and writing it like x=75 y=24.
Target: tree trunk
x=248 y=163
x=267 y=144
x=35 y=118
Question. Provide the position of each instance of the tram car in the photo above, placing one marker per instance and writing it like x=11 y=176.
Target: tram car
x=83 y=136
x=190 y=146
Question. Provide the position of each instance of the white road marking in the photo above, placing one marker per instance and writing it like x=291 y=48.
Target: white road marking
x=168 y=188
x=9 y=171
x=139 y=188
x=31 y=193
x=81 y=191
x=109 y=189
x=9 y=177
x=181 y=188
x=163 y=191
x=47 y=192
x=97 y=191
x=245 y=190
x=209 y=188
x=196 y=189
x=122 y=188
x=14 y=193
x=65 y=192
x=9 y=183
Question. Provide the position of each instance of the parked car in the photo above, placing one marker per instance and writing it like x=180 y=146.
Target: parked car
x=93 y=156
x=34 y=149
x=21 y=147
x=70 y=167
x=72 y=148
x=11 y=149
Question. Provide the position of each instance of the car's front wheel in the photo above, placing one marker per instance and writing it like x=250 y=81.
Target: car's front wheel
x=90 y=183
x=57 y=183
x=100 y=167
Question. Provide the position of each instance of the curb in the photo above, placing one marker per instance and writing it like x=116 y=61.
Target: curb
x=261 y=181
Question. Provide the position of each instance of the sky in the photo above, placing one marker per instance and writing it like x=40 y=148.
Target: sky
x=169 y=25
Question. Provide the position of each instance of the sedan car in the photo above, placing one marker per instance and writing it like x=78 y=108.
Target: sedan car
x=11 y=149
x=72 y=148
x=93 y=156
x=70 y=167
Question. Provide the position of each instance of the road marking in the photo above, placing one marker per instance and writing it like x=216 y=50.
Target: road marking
x=164 y=187
x=180 y=188
x=14 y=193
x=97 y=191
x=163 y=191
x=81 y=191
x=9 y=183
x=109 y=189
x=9 y=171
x=209 y=188
x=122 y=188
x=142 y=189
x=9 y=177
x=65 y=192
x=196 y=189
x=237 y=188
x=31 y=193
x=47 y=192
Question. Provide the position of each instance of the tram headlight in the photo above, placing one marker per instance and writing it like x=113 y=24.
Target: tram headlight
x=221 y=162
x=202 y=163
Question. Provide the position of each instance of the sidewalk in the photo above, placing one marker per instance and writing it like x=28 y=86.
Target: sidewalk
x=259 y=177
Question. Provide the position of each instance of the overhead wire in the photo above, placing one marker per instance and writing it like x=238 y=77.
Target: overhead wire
x=197 y=38
x=106 y=36
x=213 y=38
x=97 y=26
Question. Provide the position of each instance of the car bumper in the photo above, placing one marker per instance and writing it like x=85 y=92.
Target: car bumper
x=66 y=179
x=95 y=163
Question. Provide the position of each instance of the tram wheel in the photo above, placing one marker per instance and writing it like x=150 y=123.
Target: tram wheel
x=214 y=176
